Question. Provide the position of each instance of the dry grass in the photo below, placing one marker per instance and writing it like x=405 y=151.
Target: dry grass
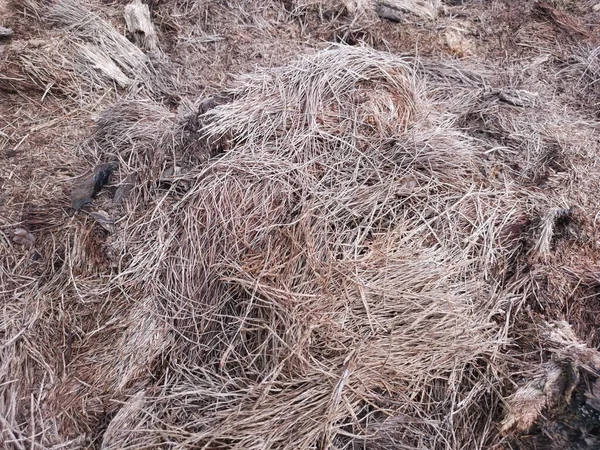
x=317 y=267
x=344 y=249
x=85 y=57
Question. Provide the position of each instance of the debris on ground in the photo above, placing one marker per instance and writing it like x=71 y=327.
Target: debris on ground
x=562 y=401
x=86 y=188
x=519 y=98
x=104 y=219
x=23 y=237
x=125 y=188
x=336 y=224
x=5 y=32
x=140 y=27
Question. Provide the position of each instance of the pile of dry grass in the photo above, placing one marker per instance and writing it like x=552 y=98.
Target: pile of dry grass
x=84 y=57
x=329 y=279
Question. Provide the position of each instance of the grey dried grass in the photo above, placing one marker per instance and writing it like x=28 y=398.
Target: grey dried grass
x=334 y=279
x=327 y=276
x=87 y=57
x=331 y=279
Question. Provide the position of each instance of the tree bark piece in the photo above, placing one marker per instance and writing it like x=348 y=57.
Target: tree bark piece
x=140 y=26
x=396 y=10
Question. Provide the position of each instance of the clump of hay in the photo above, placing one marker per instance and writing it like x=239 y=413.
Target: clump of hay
x=322 y=265
x=88 y=57
x=326 y=280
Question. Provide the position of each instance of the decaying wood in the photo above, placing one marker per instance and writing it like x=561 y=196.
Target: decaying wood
x=139 y=25
x=396 y=10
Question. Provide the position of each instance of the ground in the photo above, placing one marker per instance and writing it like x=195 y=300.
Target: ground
x=332 y=224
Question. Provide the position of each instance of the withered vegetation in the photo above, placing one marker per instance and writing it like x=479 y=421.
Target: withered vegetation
x=331 y=224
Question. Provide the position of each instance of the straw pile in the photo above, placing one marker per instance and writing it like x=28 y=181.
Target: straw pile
x=85 y=57
x=350 y=249
x=308 y=266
